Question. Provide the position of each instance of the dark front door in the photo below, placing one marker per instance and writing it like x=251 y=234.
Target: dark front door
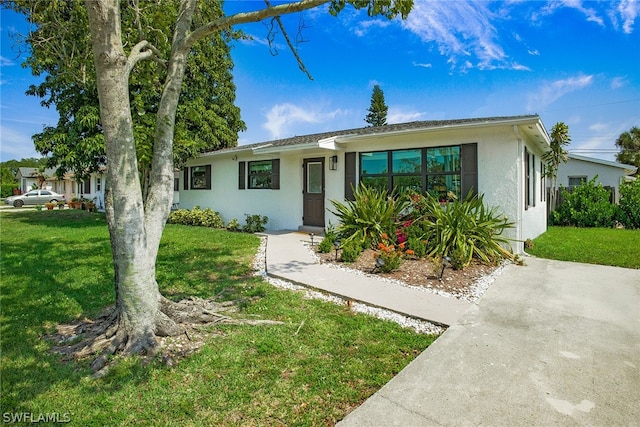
x=313 y=192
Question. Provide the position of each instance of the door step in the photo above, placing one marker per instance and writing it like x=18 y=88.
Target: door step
x=318 y=231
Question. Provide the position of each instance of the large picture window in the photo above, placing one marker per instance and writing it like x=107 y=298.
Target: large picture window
x=437 y=170
x=264 y=174
x=444 y=173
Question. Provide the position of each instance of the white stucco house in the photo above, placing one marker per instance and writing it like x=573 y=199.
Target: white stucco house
x=580 y=169
x=90 y=188
x=293 y=180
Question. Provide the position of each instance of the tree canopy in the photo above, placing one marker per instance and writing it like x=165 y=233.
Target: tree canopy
x=629 y=145
x=559 y=139
x=60 y=43
x=377 y=115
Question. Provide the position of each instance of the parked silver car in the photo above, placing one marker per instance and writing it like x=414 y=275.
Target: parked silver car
x=34 y=197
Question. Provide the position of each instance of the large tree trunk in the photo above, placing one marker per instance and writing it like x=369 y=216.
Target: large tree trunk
x=137 y=296
x=135 y=221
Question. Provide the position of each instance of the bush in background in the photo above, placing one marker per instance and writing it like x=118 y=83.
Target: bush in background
x=589 y=205
x=628 y=213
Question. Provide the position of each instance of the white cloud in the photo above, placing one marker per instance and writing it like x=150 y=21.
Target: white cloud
x=283 y=118
x=395 y=115
x=598 y=127
x=417 y=64
x=622 y=13
x=550 y=92
x=534 y=52
x=5 y=62
x=15 y=144
x=463 y=31
x=618 y=82
x=628 y=11
x=363 y=27
x=590 y=13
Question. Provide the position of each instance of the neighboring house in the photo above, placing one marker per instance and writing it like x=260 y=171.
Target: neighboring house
x=90 y=188
x=580 y=169
x=292 y=181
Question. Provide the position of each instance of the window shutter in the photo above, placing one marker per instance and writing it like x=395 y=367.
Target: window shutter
x=349 y=175
x=275 y=177
x=186 y=178
x=526 y=179
x=469 y=168
x=241 y=175
x=207 y=177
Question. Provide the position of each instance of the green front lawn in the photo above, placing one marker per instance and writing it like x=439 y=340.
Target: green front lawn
x=605 y=246
x=312 y=370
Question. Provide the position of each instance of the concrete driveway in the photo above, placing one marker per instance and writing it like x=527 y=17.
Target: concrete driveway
x=550 y=344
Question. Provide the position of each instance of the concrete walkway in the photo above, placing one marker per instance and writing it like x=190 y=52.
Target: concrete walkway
x=289 y=259
x=549 y=344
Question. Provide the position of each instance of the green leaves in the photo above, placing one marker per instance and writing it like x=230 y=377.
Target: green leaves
x=60 y=48
x=462 y=229
x=387 y=8
x=588 y=205
x=372 y=213
x=465 y=229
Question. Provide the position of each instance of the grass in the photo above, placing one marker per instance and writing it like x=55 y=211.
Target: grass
x=605 y=246
x=312 y=370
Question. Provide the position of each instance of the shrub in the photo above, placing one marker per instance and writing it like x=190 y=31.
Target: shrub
x=196 y=217
x=628 y=212
x=588 y=205
x=465 y=227
x=233 y=225
x=417 y=246
x=372 y=213
x=255 y=223
x=326 y=244
x=390 y=254
x=351 y=250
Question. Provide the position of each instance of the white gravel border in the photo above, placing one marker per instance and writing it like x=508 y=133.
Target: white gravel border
x=420 y=326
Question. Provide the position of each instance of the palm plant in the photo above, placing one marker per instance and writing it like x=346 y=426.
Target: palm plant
x=559 y=139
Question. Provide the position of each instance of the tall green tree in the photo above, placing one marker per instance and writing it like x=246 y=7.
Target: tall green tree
x=559 y=140
x=629 y=145
x=135 y=218
x=377 y=115
x=207 y=118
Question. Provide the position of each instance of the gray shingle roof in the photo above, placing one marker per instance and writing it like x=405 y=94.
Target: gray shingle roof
x=371 y=130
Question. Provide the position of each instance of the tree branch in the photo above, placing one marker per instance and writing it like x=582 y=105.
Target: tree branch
x=294 y=50
x=248 y=17
x=141 y=51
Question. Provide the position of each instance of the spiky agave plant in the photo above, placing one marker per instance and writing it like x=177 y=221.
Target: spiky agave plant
x=372 y=213
x=466 y=229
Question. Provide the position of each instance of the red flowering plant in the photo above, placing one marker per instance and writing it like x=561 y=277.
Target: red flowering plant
x=389 y=255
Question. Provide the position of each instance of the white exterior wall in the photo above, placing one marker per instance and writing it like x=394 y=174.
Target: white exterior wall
x=501 y=178
x=283 y=207
x=607 y=175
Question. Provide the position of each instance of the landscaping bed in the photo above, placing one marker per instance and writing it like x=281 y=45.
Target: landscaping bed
x=467 y=284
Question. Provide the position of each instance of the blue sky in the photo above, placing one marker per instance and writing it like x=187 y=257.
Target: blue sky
x=572 y=61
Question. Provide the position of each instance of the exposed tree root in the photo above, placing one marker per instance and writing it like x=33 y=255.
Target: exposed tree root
x=181 y=329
